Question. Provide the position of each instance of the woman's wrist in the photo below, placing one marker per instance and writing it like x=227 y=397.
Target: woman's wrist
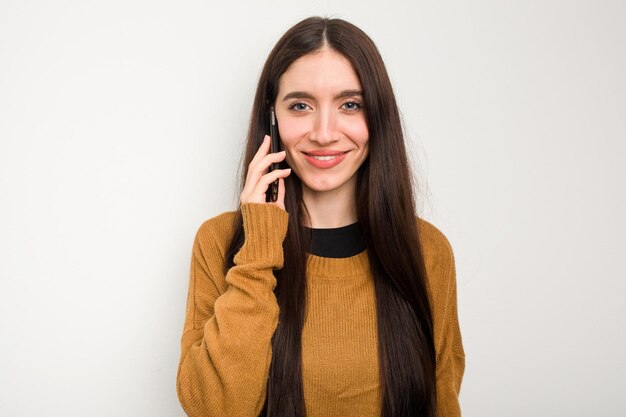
x=265 y=228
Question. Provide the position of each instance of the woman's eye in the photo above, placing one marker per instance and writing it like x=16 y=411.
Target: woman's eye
x=298 y=106
x=352 y=105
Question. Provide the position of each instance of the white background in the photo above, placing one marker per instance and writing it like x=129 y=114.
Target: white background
x=122 y=125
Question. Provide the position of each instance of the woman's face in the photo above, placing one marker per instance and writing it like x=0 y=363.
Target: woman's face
x=319 y=112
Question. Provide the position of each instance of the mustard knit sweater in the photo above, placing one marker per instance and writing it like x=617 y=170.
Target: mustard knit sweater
x=230 y=320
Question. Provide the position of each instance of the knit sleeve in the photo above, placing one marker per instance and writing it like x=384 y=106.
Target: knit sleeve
x=450 y=355
x=225 y=359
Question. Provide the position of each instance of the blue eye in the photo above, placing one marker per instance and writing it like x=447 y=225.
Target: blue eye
x=352 y=105
x=298 y=106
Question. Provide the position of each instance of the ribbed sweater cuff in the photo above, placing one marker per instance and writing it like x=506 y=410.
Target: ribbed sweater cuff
x=265 y=228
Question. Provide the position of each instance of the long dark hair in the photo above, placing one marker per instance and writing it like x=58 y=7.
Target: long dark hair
x=386 y=211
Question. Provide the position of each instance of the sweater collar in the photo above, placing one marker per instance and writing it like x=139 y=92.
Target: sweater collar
x=338 y=268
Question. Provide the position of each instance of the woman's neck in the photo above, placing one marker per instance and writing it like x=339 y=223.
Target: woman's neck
x=331 y=209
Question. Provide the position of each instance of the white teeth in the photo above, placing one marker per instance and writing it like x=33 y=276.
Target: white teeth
x=324 y=158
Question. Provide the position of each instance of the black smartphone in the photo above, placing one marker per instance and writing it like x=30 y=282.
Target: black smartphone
x=272 y=192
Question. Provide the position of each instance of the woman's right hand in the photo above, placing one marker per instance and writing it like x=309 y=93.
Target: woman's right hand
x=259 y=178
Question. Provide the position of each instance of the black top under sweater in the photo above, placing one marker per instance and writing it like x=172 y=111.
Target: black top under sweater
x=338 y=242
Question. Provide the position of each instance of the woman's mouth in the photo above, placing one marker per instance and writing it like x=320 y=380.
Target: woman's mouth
x=321 y=160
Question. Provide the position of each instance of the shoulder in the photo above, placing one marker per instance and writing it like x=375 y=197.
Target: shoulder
x=435 y=245
x=218 y=225
x=214 y=235
x=441 y=277
x=438 y=259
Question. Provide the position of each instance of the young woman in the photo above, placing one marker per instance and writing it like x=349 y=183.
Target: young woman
x=336 y=299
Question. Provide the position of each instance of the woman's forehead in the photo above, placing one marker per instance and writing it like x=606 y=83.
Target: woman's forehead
x=325 y=73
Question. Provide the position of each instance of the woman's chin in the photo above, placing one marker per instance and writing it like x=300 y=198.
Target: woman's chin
x=321 y=185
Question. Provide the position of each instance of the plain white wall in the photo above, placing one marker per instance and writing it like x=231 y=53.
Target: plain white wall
x=121 y=130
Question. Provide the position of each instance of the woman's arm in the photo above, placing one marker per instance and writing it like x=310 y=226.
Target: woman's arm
x=450 y=355
x=225 y=359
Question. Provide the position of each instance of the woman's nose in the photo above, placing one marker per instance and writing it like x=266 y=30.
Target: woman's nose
x=324 y=128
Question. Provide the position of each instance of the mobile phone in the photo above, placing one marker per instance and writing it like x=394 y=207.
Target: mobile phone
x=272 y=192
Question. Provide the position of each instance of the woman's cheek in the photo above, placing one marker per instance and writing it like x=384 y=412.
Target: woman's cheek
x=358 y=131
x=290 y=130
x=287 y=140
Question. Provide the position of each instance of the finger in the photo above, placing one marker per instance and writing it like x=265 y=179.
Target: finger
x=264 y=165
x=265 y=181
x=252 y=175
x=262 y=151
x=280 y=201
x=271 y=158
x=269 y=178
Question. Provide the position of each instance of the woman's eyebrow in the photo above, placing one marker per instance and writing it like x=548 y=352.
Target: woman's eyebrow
x=304 y=94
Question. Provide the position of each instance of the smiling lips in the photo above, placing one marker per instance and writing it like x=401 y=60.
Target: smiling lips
x=325 y=159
